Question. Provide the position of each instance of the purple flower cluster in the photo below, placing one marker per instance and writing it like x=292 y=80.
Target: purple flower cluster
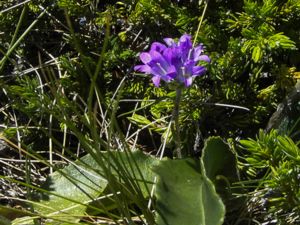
x=173 y=61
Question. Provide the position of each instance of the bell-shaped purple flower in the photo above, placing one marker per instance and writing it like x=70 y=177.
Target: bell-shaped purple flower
x=173 y=61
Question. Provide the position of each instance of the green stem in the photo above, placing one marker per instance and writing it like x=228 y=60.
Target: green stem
x=176 y=127
x=200 y=23
x=14 y=44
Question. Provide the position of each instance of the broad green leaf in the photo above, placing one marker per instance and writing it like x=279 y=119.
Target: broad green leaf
x=220 y=165
x=186 y=196
x=76 y=186
x=70 y=191
x=137 y=165
x=218 y=159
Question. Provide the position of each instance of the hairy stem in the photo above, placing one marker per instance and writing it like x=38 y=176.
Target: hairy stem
x=176 y=127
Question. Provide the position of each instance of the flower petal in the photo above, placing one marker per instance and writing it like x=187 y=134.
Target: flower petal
x=185 y=45
x=156 y=81
x=170 y=42
x=188 y=67
x=185 y=41
x=198 y=70
x=172 y=72
x=188 y=81
x=166 y=78
x=197 y=51
x=159 y=47
x=143 y=68
x=173 y=56
x=204 y=58
x=157 y=71
x=145 y=57
x=158 y=60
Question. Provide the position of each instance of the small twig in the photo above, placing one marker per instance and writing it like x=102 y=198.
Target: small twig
x=14 y=6
x=200 y=23
x=202 y=103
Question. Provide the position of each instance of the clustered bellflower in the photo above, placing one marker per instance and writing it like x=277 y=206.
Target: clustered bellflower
x=173 y=61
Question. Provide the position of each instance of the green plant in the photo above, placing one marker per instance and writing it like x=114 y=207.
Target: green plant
x=273 y=160
x=69 y=96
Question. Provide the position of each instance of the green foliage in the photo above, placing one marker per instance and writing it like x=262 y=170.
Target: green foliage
x=144 y=122
x=74 y=189
x=27 y=92
x=243 y=40
x=275 y=159
x=219 y=162
x=185 y=195
x=286 y=119
x=218 y=159
x=74 y=7
x=247 y=47
x=71 y=191
x=264 y=151
x=4 y=221
x=8 y=214
x=68 y=86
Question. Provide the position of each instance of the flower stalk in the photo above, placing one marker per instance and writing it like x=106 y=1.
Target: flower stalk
x=175 y=124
